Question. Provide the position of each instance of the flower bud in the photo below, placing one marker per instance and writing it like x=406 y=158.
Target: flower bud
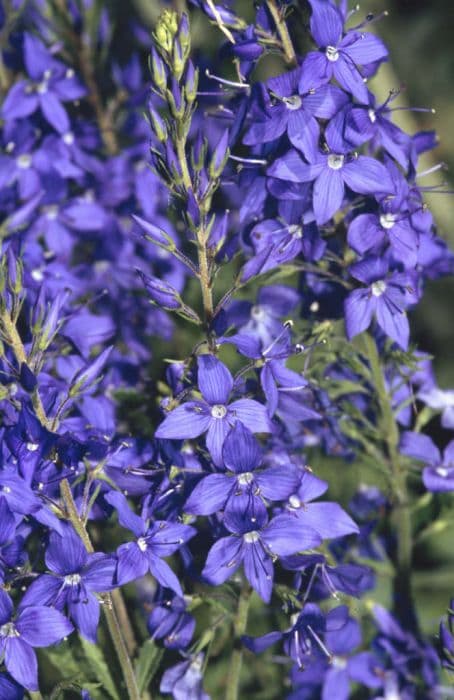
x=161 y=293
x=191 y=82
x=158 y=70
x=166 y=30
x=158 y=125
x=220 y=155
x=90 y=373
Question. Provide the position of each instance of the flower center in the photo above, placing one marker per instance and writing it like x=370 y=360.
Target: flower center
x=372 y=115
x=251 y=537
x=245 y=479
x=331 y=53
x=294 y=501
x=41 y=88
x=24 y=161
x=218 y=411
x=335 y=161
x=387 y=221
x=9 y=630
x=293 y=102
x=442 y=471
x=32 y=446
x=52 y=212
x=6 y=489
x=68 y=138
x=257 y=313
x=378 y=288
x=338 y=662
x=72 y=579
x=295 y=231
x=142 y=544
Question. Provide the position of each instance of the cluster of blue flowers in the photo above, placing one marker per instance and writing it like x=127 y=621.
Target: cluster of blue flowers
x=283 y=224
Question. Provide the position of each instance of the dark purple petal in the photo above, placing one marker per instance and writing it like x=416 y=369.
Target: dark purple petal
x=316 y=71
x=285 y=535
x=366 y=49
x=189 y=420
x=241 y=451
x=214 y=379
x=311 y=487
x=367 y=176
x=217 y=432
x=126 y=517
x=348 y=77
x=99 y=572
x=269 y=388
x=326 y=23
x=258 y=569
x=210 y=495
x=85 y=614
x=336 y=684
x=420 y=447
x=42 y=591
x=252 y=414
x=6 y=607
x=20 y=660
x=393 y=322
x=359 y=308
x=165 y=538
x=365 y=233
x=292 y=168
x=279 y=482
x=132 y=563
x=164 y=574
x=328 y=194
x=259 y=644
x=41 y=626
x=328 y=519
x=224 y=558
x=438 y=479
x=54 y=112
x=67 y=554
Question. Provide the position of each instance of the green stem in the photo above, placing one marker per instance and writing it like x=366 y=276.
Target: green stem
x=202 y=251
x=236 y=659
x=403 y=598
x=35 y=695
x=281 y=26
x=109 y=611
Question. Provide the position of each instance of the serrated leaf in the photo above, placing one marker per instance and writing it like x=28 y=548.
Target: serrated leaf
x=147 y=664
x=98 y=666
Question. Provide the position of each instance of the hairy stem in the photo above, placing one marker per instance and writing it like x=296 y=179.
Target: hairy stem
x=108 y=607
x=282 y=29
x=403 y=598
x=236 y=659
x=202 y=251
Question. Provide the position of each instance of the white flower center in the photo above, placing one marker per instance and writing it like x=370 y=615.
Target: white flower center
x=314 y=307
x=9 y=630
x=442 y=471
x=387 y=221
x=6 y=489
x=378 y=288
x=251 y=537
x=218 y=411
x=245 y=479
x=372 y=115
x=37 y=275
x=294 y=501
x=335 y=161
x=72 y=579
x=293 y=102
x=257 y=313
x=32 y=446
x=70 y=73
x=338 y=662
x=41 y=88
x=331 y=53
x=295 y=231
x=68 y=138
x=52 y=212
x=142 y=544
x=24 y=161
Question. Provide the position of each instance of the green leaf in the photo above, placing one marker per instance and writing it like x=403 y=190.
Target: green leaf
x=100 y=670
x=147 y=664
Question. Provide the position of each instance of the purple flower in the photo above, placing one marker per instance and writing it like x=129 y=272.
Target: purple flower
x=326 y=518
x=256 y=542
x=34 y=626
x=438 y=475
x=331 y=172
x=154 y=541
x=242 y=457
x=184 y=680
x=386 y=296
x=339 y=55
x=75 y=578
x=213 y=414
x=170 y=621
